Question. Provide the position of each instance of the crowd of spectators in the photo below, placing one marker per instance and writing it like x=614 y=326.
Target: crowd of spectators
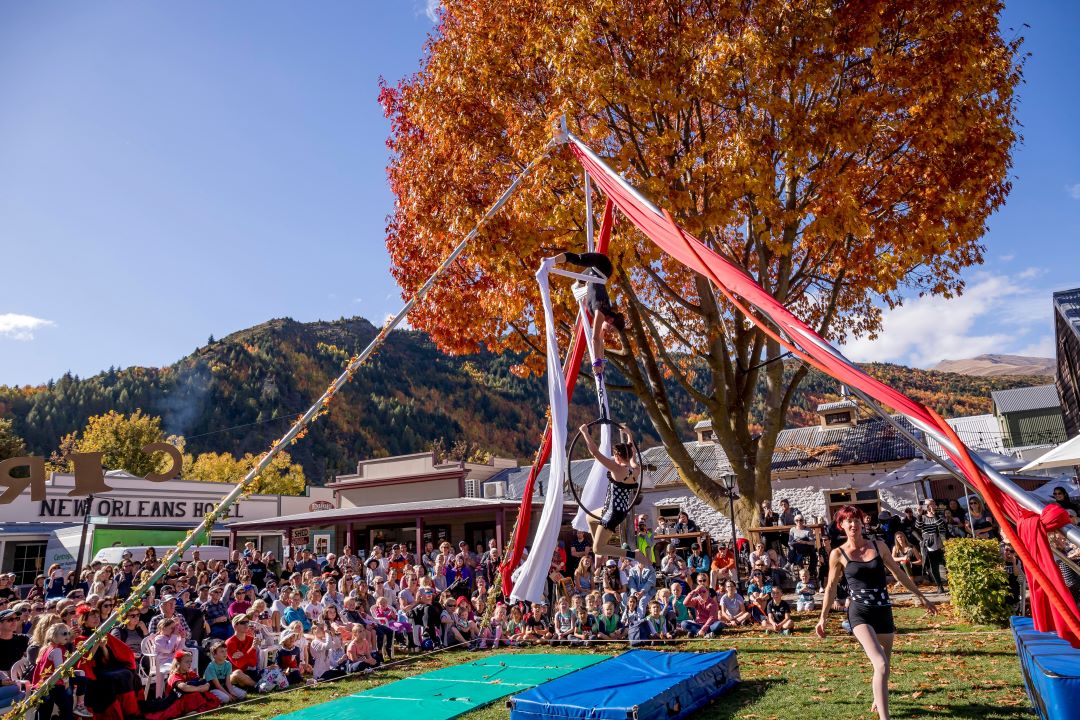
x=211 y=632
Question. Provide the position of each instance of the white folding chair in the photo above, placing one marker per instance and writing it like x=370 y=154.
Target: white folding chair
x=16 y=674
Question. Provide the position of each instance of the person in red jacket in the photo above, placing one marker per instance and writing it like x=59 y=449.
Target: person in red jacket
x=112 y=678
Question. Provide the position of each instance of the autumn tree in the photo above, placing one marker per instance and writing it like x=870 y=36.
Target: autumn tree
x=121 y=439
x=281 y=477
x=842 y=153
x=11 y=445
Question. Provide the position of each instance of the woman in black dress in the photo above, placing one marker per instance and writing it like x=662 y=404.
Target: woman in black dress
x=863 y=563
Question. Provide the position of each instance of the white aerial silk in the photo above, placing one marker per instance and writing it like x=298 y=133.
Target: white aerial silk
x=595 y=491
x=531 y=578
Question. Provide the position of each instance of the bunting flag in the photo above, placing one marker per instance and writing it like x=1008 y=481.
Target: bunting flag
x=1054 y=609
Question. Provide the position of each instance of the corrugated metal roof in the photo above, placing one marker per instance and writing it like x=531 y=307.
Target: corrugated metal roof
x=838 y=405
x=979 y=432
x=1067 y=303
x=1023 y=399
x=872 y=441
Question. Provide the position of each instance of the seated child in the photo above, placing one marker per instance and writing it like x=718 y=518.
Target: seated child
x=563 y=622
x=778 y=614
x=805 y=591
x=194 y=694
x=358 y=655
x=219 y=674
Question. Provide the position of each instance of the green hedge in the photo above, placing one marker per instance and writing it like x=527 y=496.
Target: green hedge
x=978 y=585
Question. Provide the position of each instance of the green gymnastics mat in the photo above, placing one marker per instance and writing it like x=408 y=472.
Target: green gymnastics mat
x=450 y=691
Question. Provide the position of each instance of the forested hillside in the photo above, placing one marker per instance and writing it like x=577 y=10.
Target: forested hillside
x=237 y=395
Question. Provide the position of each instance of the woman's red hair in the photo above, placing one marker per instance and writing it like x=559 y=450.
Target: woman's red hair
x=849 y=511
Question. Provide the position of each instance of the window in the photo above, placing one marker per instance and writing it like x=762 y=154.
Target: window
x=866 y=500
x=671 y=512
x=28 y=562
x=837 y=418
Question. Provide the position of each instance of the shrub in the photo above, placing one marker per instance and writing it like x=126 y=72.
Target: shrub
x=978 y=585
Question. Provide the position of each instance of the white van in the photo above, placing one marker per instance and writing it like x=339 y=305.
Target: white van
x=114 y=555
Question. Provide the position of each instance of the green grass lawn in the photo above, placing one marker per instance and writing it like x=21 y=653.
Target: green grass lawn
x=942 y=668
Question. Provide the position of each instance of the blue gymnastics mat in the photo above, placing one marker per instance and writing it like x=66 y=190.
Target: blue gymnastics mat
x=639 y=684
x=1051 y=670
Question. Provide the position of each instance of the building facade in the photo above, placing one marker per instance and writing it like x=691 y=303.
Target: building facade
x=408 y=499
x=36 y=533
x=1067 y=337
x=1029 y=416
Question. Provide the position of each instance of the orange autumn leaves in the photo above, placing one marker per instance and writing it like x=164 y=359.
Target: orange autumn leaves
x=839 y=151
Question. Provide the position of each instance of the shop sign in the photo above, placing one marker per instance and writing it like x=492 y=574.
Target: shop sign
x=318 y=505
x=300 y=537
x=89 y=473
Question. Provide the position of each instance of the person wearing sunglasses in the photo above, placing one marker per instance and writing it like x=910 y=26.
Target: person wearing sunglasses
x=13 y=644
x=52 y=656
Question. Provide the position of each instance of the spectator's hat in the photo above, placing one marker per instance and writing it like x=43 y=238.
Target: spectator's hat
x=611 y=563
x=240 y=619
x=180 y=654
x=248 y=587
x=288 y=635
x=126 y=554
x=168 y=597
x=884 y=515
x=799 y=516
x=81 y=610
x=5 y=614
x=539 y=603
x=216 y=589
x=373 y=560
x=463 y=543
x=462 y=601
x=203 y=587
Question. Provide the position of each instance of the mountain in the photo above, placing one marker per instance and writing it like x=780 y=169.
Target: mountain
x=237 y=395
x=999 y=365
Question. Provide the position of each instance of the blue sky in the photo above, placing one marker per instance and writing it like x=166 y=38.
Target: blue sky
x=171 y=171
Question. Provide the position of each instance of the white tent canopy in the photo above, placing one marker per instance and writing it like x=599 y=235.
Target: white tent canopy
x=922 y=469
x=1066 y=454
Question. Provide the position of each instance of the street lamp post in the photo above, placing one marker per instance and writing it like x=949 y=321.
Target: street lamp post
x=729 y=481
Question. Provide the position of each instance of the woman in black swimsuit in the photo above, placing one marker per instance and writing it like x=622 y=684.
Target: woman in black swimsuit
x=863 y=563
x=623 y=478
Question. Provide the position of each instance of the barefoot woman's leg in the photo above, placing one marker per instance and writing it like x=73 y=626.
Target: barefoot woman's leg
x=880 y=660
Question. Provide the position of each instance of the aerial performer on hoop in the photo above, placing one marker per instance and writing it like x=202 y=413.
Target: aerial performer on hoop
x=624 y=480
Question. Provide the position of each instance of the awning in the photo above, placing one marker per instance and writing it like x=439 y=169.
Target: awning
x=922 y=469
x=1066 y=454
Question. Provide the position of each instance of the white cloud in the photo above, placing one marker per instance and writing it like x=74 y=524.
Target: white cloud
x=431 y=9
x=21 y=327
x=1008 y=258
x=996 y=314
x=1074 y=191
x=1030 y=273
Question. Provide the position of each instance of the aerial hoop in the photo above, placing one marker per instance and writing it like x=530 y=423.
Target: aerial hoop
x=568 y=480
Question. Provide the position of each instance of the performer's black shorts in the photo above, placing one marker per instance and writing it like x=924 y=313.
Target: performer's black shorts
x=878 y=617
x=612 y=519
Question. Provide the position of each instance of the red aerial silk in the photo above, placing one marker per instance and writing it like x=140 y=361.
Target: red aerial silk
x=573 y=363
x=779 y=323
x=1033 y=529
